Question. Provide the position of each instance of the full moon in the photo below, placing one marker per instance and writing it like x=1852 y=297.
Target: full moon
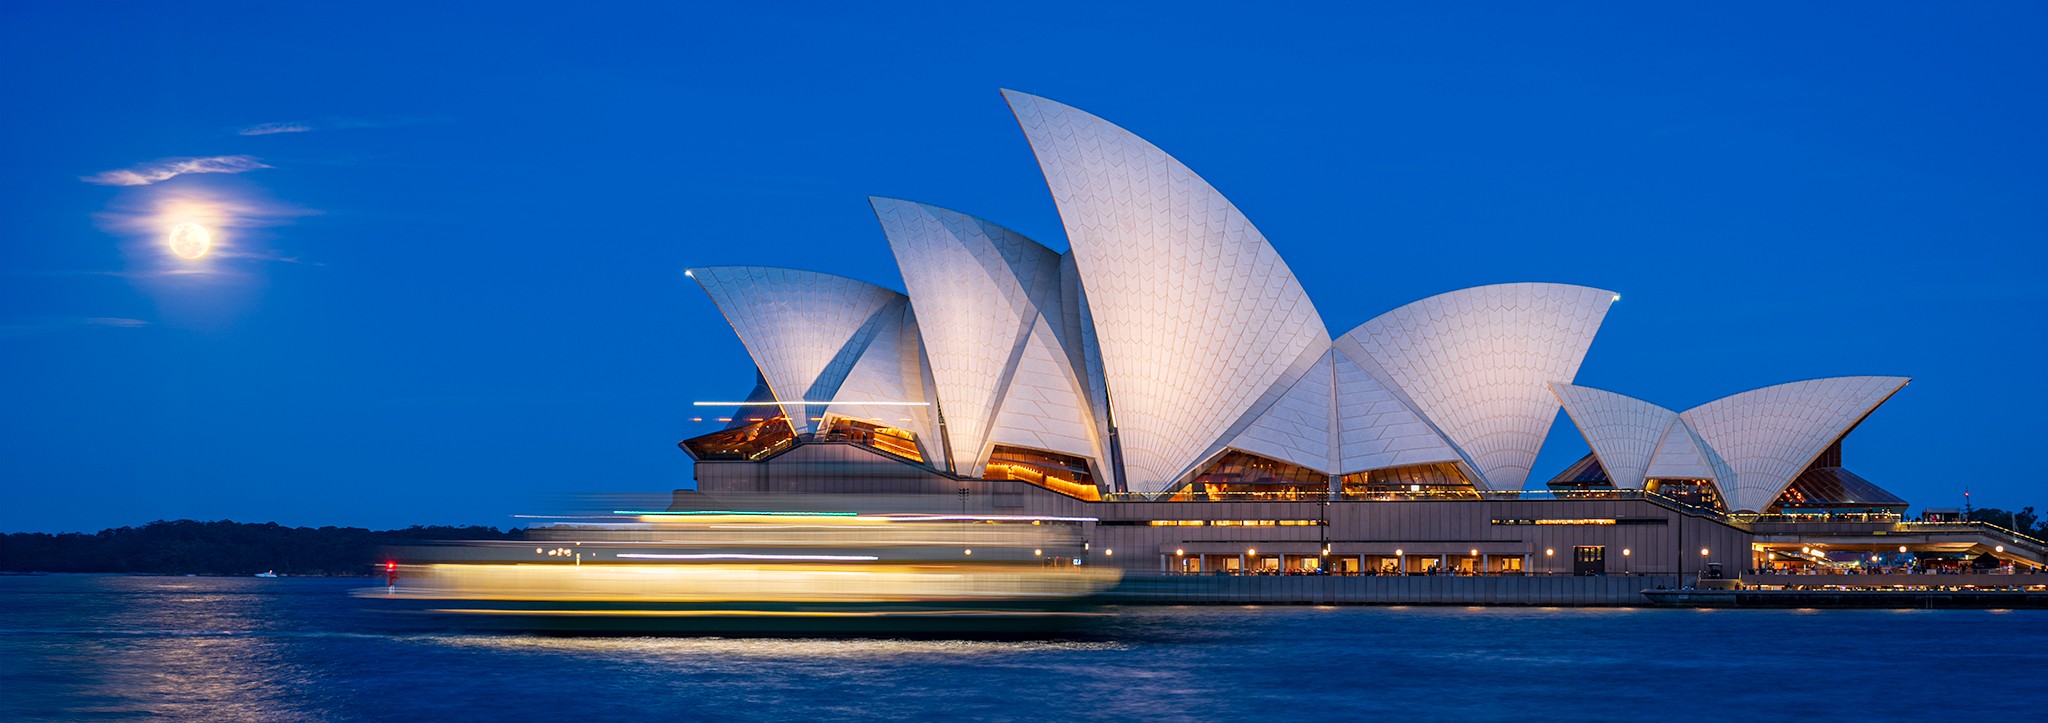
x=190 y=241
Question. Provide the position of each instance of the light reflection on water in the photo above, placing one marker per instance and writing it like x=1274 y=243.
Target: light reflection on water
x=681 y=649
x=244 y=649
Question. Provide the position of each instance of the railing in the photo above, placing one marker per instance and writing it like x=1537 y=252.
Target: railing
x=1966 y=526
x=1684 y=506
x=1879 y=517
x=1374 y=573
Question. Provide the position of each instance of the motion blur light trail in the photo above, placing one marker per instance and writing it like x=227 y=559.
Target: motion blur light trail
x=725 y=571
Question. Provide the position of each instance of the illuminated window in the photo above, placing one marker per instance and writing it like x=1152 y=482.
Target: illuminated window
x=1570 y=521
x=889 y=440
x=745 y=442
x=1065 y=474
x=1441 y=478
x=1701 y=492
x=1237 y=475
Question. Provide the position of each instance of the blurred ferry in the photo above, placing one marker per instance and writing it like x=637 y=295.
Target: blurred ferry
x=764 y=572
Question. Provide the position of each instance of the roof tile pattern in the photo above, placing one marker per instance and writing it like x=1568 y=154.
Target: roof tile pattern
x=1375 y=428
x=1044 y=407
x=804 y=329
x=1768 y=436
x=1623 y=431
x=1477 y=362
x=1195 y=312
x=1681 y=455
x=888 y=370
x=980 y=291
x=1296 y=428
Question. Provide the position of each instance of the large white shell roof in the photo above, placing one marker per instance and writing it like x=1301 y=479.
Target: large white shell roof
x=986 y=299
x=1752 y=445
x=1478 y=362
x=1623 y=431
x=1173 y=331
x=804 y=329
x=1768 y=436
x=1196 y=314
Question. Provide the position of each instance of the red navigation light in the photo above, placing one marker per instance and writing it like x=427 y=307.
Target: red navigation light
x=390 y=565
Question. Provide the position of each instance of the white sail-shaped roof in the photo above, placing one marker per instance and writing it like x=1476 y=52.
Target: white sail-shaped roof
x=1196 y=314
x=1376 y=428
x=1681 y=455
x=1084 y=355
x=1044 y=406
x=1295 y=428
x=804 y=329
x=890 y=369
x=1623 y=431
x=1477 y=362
x=1768 y=436
x=986 y=297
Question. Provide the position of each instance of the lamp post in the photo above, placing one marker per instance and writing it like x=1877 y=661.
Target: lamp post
x=1624 y=560
x=1547 y=553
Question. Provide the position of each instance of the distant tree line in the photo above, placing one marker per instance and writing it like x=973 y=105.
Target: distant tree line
x=222 y=548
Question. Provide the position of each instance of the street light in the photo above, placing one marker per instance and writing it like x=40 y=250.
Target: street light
x=1625 y=552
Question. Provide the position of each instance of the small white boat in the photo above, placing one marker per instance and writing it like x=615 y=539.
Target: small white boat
x=267 y=573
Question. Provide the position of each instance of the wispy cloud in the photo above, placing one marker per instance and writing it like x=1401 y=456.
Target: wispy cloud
x=164 y=169
x=264 y=129
x=31 y=327
x=114 y=321
x=334 y=124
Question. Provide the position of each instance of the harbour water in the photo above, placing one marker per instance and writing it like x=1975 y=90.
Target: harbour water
x=110 y=647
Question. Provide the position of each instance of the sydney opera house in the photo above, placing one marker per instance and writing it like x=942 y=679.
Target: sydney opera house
x=1168 y=379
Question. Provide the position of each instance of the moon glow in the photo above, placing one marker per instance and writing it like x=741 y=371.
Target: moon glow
x=190 y=241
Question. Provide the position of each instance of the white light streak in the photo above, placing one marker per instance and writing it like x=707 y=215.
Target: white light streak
x=995 y=518
x=736 y=556
x=826 y=402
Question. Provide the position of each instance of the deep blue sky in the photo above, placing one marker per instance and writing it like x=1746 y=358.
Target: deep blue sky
x=459 y=293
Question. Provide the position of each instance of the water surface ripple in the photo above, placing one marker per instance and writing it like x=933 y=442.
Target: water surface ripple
x=92 y=647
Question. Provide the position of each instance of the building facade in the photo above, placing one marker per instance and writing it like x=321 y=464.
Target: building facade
x=1169 y=376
